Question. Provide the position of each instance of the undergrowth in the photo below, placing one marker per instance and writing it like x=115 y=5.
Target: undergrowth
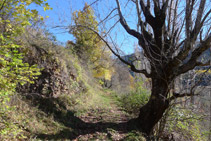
x=131 y=102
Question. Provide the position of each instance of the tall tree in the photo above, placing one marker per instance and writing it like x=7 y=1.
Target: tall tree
x=171 y=35
x=88 y=44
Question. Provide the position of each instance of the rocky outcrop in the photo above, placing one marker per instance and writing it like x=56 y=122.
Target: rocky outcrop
x=57 y=75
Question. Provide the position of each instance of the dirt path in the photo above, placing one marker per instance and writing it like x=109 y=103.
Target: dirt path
x=108 y=124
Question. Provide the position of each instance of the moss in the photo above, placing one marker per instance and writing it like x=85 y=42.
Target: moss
x=134 y=136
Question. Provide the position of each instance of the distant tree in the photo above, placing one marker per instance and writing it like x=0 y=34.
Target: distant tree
x=88 y=45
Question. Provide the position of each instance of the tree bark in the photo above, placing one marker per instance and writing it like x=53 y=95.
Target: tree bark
x=153 y=111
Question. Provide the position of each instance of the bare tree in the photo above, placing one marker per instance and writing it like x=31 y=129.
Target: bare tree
x=171 y=45
x=172 y=35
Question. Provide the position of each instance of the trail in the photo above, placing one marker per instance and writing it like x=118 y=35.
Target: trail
x=96 y=124
x=108 y=125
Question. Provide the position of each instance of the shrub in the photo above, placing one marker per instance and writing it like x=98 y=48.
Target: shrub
x=182 y=123
x=14 y=17
x=132 y=101
x=134 y=136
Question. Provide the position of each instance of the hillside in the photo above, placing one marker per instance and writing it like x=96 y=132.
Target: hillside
x=66 y=102
x=80 y=87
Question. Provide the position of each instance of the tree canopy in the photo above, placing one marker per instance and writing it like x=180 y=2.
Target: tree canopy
x=89 y=45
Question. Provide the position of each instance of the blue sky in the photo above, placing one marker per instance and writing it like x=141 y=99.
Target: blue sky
x=61 y=16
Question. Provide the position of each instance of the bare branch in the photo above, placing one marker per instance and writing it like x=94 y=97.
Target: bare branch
x=111 y=28
x=156 y=7
x=132 y=66
x=94 y=2
x=199 y=14
x=125 y=25
x=191 y=93
x=203 y=64
x=107 y=16
x=169 y=15
x=178 y=95
x=198 y=23
x=164 y=8
x=204 y=19
x=192 y=63
x=146 y=10
x=174 y=21
x=2 y=6
x=190 y=35
x=188 y=18
x=140 y=37
x=138 y=13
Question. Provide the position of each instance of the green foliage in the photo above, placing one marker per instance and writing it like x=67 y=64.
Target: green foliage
x=14 y=17
x=134 y=136
x=89 y=45
x=132 y=101
x=85 y=37
x=184 y=122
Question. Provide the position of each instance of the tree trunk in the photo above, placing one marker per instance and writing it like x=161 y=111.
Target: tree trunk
x=153 y=111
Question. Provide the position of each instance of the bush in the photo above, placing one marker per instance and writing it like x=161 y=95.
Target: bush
x=181 y=123
x=15 y=16
x=134 y=136
x=132 y=101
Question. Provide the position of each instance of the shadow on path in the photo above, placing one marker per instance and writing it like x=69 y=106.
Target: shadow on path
x=74 y=126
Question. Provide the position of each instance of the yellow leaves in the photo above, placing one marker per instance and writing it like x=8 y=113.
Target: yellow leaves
x=28 y=2
x=13 y=70
x=89 y=44
x=47 y=7
x=132 y=81
x=103 y=70
x=41 y=18
x=34 y=12
x=203 y=71
x=108 y=75
x=25 y=23
x=20 y=12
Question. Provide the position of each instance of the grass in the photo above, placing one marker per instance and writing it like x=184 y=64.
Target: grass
x=32 y=120
x=134 y=136
x=92 y=115
x=84 y=112
x=92 y=100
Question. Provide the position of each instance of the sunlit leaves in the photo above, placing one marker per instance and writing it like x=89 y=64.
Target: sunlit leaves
x=89 y=44
x=14 y=18
x=47 y=7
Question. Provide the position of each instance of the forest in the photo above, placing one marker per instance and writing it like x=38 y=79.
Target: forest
x=116 y=70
